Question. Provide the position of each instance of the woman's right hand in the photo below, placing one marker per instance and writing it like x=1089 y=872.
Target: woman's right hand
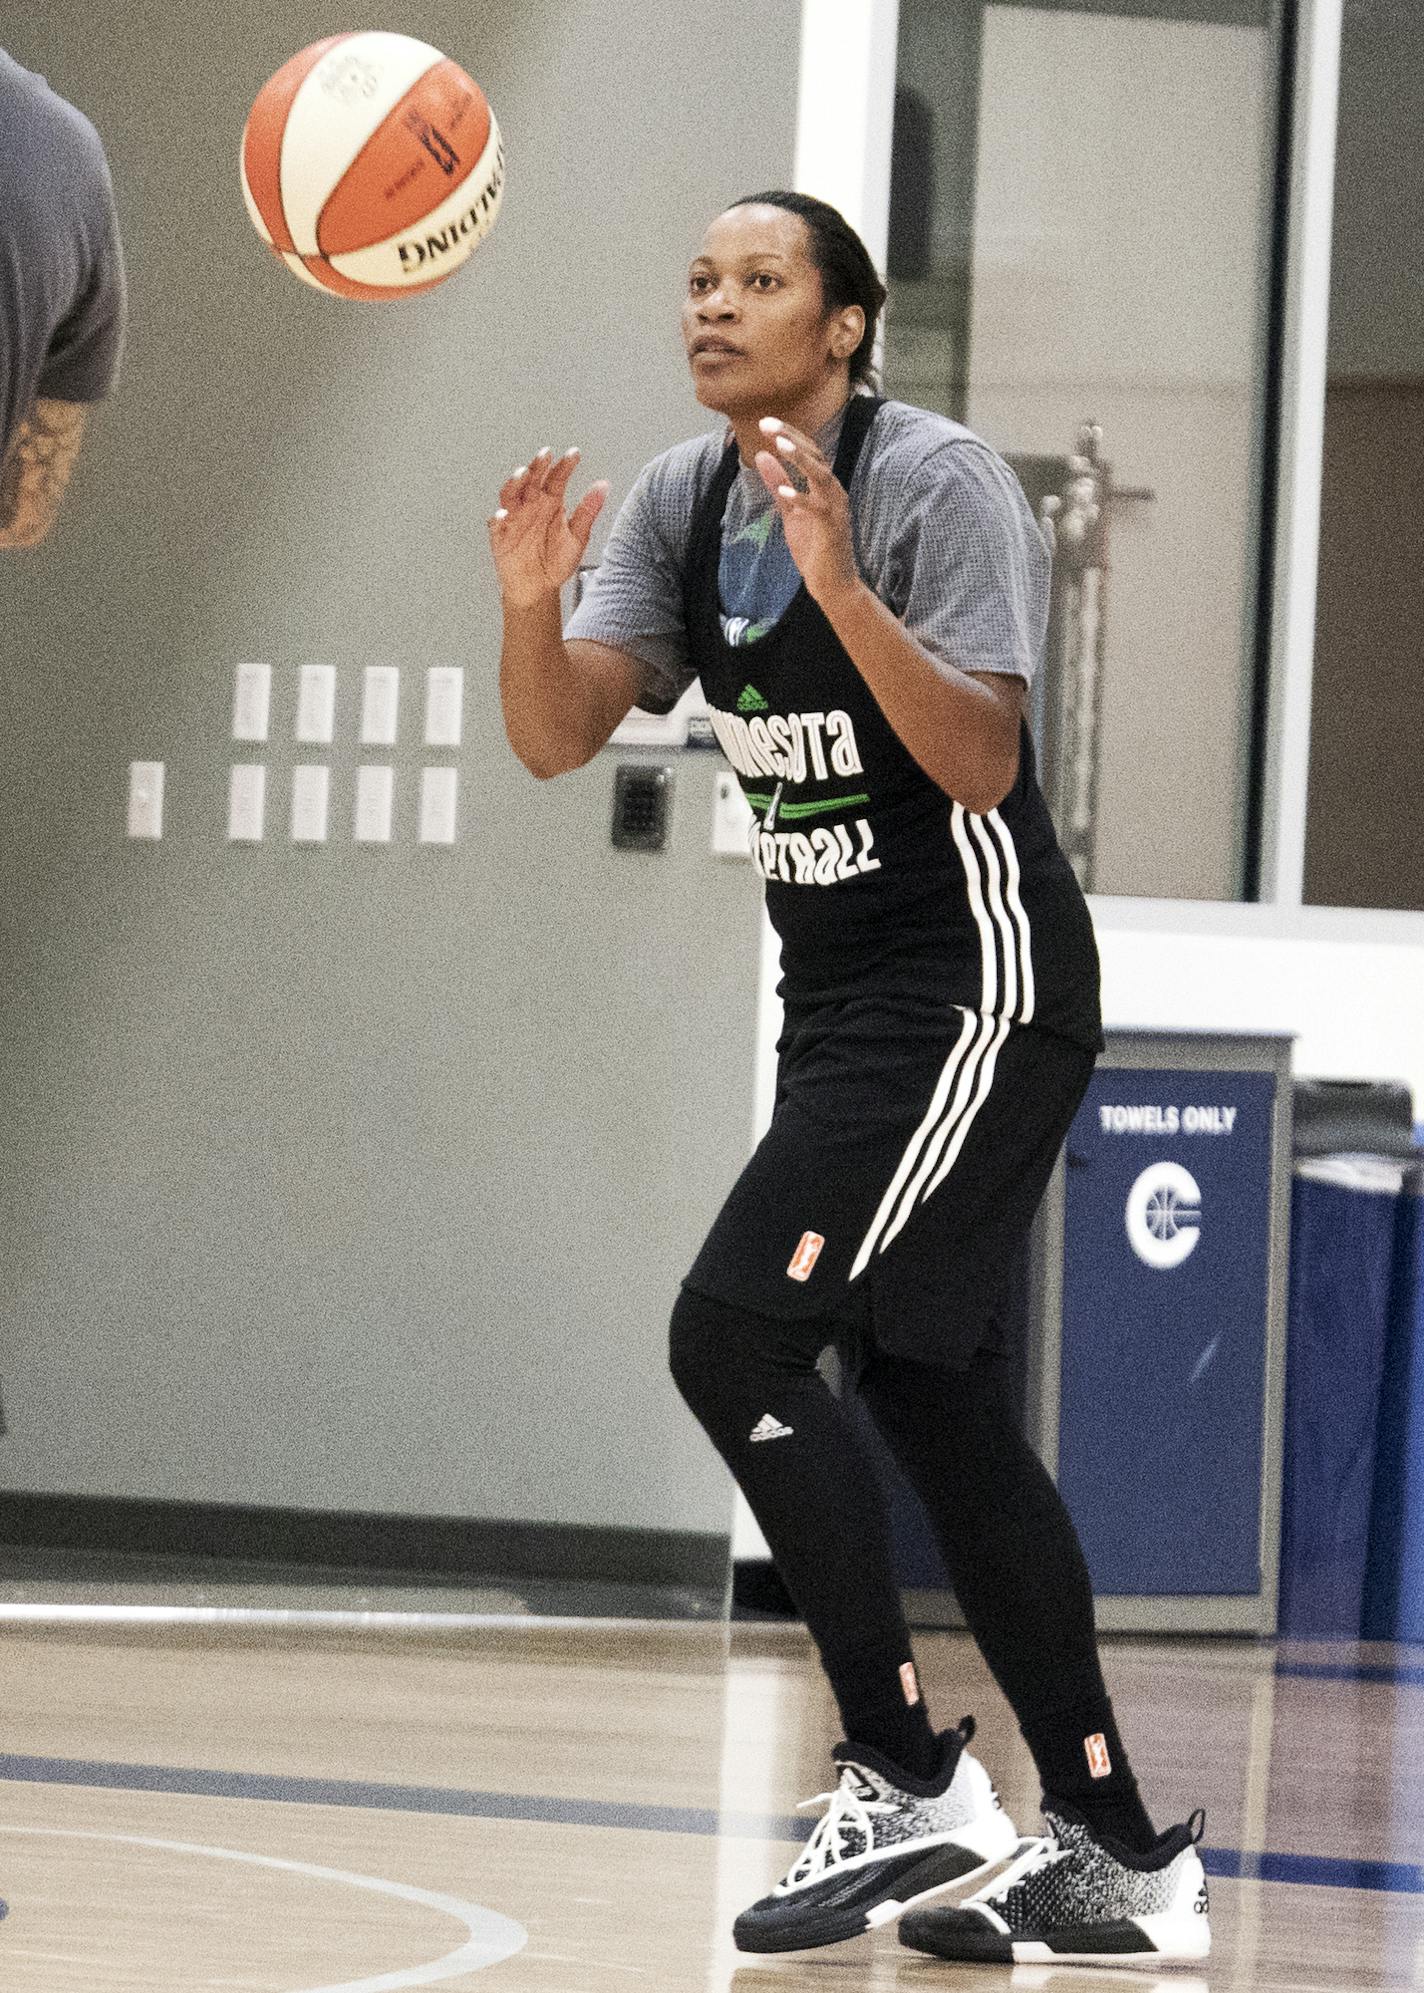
x=537 y=546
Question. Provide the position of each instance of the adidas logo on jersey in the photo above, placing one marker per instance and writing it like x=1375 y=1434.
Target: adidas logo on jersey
x=768 y=1427
x=750 y=701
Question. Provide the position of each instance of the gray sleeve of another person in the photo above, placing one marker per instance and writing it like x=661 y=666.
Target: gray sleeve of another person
x=82 y=360
x=633 y=601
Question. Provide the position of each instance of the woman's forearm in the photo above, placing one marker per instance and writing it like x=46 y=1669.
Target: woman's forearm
x=547 y=705
x=963 y=732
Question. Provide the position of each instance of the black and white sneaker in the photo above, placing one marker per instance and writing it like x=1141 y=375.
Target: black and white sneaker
x=1071 y=1898
x=884 y=1842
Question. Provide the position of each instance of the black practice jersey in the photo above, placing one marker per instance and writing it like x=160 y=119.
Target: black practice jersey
x=875 y=879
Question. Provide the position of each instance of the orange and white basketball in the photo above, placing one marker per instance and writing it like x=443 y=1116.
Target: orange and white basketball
x=372 y=165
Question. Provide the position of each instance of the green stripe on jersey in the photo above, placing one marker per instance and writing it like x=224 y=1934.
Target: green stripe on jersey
x=763 y=803
x=819 y=809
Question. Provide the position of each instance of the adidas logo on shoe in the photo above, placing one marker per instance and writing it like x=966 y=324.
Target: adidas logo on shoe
x=768 y=1427
x=751 y=701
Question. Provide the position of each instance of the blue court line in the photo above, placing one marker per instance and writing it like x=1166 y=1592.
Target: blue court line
x=439 y=1799
x=1402 y=1674
x=1246 y=1865
x=1324 y=1871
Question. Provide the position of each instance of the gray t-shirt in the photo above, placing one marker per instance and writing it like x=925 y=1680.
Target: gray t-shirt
x=943 y=534
x=62 y=297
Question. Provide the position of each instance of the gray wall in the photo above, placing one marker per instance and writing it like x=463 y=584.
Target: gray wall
x=1376 y=331
x=345 y=1177
x=1365 y=821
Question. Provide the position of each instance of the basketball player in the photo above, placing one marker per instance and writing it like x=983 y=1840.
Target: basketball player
x=61 y=300
x=62 y=296
x=862 y=590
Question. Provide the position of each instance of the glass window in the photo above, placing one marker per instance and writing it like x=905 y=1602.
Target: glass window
x=1081 y=269
x=1365 y=823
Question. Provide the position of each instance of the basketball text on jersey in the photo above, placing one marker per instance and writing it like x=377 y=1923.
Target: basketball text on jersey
x=826 y=856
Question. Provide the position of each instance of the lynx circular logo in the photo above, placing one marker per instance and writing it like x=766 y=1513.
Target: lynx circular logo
x=1164 y=1215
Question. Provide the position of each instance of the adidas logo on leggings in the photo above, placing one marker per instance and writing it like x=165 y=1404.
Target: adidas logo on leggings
x=769 y=1428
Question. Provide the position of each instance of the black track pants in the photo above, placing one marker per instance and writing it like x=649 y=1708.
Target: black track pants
x=1008 y=1542
x=753 y=1384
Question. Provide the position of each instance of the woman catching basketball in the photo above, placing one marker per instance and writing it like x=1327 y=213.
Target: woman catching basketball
x=862 y=590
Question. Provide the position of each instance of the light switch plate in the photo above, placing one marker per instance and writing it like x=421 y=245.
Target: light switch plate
x=380 y=705
x=444 y=705
x=316 y=704
x=146 y=799
x=246 y=802
x=311 y=795
x=252 y=702
x=438 y=793
x=375 y=794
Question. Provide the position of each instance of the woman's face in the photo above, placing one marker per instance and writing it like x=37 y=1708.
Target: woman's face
x=758 y=337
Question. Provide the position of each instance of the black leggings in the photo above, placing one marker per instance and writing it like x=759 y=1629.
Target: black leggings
x=1007 y=1540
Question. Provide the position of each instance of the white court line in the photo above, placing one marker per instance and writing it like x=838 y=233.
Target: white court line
x=44 y=1614
x=492 y=1937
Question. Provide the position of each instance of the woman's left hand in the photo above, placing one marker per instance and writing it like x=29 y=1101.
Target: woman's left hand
x=816 y=519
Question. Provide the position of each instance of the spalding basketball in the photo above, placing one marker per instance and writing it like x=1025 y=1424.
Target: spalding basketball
x=372 y=165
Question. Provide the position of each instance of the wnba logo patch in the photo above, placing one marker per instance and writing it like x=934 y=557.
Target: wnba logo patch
x=1099 y=1763
x=805 y=1256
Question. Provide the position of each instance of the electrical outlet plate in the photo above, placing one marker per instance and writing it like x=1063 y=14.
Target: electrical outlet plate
x=146 y=800
x=732 y=818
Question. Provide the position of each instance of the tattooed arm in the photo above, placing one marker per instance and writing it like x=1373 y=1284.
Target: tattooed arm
x=36 y=470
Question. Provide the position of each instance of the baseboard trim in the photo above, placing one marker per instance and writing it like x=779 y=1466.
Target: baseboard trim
x=759 y=1591
x=445 y=1546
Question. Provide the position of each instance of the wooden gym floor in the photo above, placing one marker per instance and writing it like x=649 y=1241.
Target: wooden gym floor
x=545 y=1807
